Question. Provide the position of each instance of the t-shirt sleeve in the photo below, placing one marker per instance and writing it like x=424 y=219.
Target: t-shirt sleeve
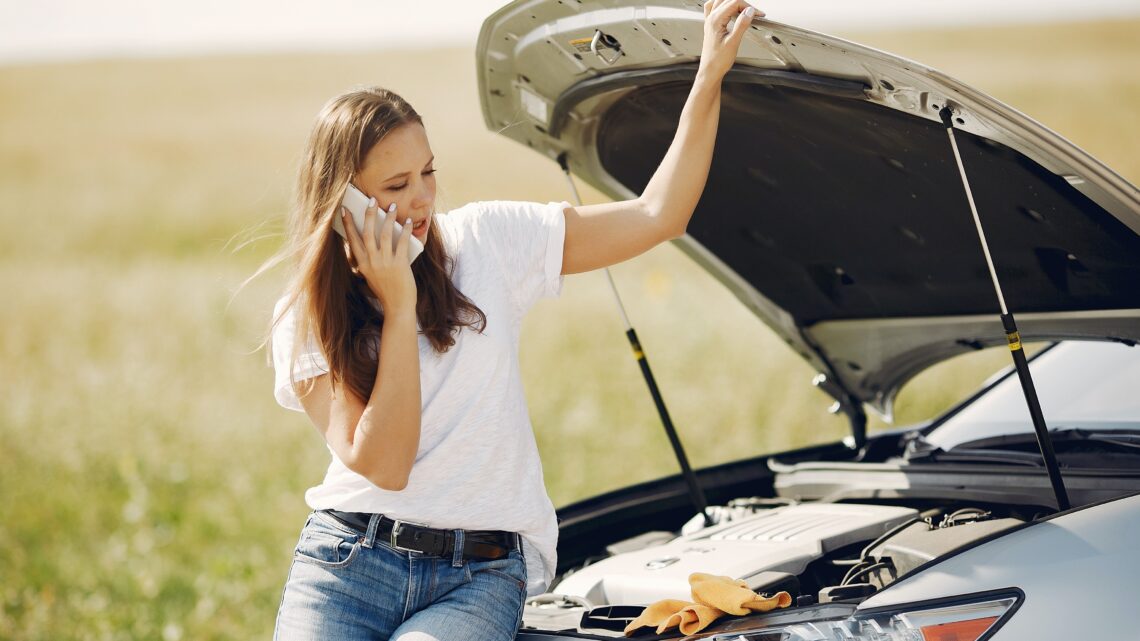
x=310 y=361
x=527 y=240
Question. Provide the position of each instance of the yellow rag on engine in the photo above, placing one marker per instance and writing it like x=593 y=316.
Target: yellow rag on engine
x=714 y=596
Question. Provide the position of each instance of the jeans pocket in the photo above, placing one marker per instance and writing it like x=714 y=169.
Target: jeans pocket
x=512 y=568
x=327 y=547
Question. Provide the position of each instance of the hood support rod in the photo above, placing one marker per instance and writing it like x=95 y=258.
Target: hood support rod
x=695 y=493
x=1044 y=441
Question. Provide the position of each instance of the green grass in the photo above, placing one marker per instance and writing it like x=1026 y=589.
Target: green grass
x=153 y=490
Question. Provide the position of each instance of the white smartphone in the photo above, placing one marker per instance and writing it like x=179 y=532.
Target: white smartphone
x=356 y=202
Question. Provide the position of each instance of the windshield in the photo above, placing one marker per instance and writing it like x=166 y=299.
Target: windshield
x=1092 y=385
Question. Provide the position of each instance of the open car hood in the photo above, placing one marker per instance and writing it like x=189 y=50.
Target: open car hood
x=834 y=209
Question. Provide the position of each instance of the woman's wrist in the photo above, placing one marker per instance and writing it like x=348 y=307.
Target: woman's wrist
x=707 y=78
x=708 y=81
x=399 y=315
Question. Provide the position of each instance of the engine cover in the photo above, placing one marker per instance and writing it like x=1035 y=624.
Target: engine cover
x=783 y=539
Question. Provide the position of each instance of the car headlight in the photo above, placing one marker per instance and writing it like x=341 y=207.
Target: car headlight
x=968 y=619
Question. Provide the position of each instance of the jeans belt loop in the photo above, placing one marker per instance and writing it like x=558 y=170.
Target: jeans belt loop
x=457 y=549
x=370 y=533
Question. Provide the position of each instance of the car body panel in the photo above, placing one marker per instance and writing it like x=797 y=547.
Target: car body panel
x=1084 y=561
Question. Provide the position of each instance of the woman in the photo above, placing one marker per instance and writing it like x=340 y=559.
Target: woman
x=432 y=521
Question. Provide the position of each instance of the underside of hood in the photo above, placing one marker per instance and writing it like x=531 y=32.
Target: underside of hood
x=834 y=208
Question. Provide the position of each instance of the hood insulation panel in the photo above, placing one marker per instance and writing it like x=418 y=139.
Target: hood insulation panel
x=836 y=208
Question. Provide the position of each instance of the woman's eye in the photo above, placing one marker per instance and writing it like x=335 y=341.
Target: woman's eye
x=403 y=185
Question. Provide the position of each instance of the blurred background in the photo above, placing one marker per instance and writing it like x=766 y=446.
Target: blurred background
x=150 y=488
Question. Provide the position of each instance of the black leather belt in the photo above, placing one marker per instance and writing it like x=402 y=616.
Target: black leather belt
x=479 y=545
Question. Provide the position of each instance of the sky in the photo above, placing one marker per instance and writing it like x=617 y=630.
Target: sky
x=44 y=30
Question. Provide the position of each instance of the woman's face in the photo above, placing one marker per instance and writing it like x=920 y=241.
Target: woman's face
x=398 y=169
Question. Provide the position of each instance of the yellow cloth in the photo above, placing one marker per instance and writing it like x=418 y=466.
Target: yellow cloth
x=675 y=613
x=714 y=596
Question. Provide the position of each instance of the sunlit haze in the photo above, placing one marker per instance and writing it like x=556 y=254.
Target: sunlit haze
x=68 y=29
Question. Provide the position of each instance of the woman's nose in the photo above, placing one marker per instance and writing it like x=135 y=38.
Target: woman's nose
x=423 y=197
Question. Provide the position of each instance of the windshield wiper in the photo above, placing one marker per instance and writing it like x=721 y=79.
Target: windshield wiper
x=1126 y=438
x=955 y=455
x=1032 y=459
x=1020 y=449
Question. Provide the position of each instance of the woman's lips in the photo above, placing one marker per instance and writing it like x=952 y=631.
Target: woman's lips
x=420 y=228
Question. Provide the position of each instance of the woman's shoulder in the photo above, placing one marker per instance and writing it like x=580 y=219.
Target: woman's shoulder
x=504 y=208
x=283 y=323
x=500 y=226
x=470 y=215
x=284 y=317
x=497 y=216
x=462 y=226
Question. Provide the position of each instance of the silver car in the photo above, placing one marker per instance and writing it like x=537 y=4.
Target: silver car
x=846 y=208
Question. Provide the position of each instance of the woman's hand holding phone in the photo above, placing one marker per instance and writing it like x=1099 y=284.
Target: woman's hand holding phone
x=356 y=202
x=385 y=266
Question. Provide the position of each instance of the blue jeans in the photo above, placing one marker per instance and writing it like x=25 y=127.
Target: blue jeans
x=345 y=585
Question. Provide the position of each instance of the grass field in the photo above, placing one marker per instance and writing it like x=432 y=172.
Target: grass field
x=151 y=489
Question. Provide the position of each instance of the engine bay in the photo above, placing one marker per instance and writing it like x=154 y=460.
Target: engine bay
x=824 y=554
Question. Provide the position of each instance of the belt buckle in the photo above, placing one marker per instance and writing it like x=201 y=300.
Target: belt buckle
x=397 y=527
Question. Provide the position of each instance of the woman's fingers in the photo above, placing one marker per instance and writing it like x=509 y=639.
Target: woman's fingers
x=404 y=240
x=375 y=241
x=724 y=12
x=370 y=225
x=742 y=24
x=355 y=245
x=720 y=9
x=713 y=5
x=386 y=231
x=722 y=42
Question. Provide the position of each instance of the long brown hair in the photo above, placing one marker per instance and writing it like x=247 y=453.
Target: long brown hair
x=334 y=304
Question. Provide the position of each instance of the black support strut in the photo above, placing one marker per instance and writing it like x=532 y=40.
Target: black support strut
x=1013 y=337
x=696 y=494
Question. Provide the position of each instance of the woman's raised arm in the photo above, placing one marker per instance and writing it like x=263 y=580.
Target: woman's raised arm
x=601 y=235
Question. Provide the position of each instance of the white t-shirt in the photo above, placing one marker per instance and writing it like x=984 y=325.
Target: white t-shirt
x=477 y=467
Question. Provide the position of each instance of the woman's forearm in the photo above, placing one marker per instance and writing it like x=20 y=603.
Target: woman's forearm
x=608 y=233
x=674 y=189
x=387 y=436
